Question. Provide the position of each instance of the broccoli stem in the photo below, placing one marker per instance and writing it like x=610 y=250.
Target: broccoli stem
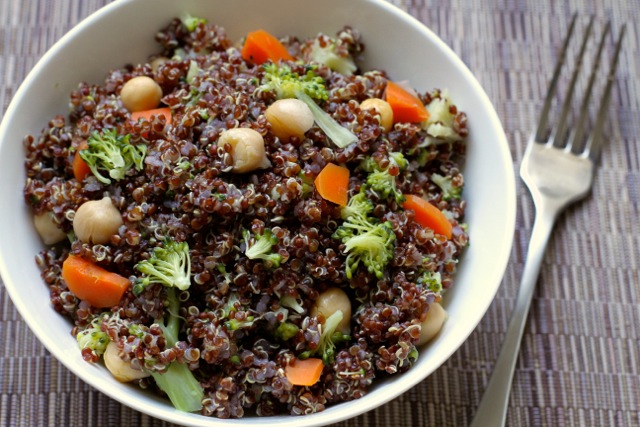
x=340 y=135
x=178 y=381
x=172 y=327
x=181 y=386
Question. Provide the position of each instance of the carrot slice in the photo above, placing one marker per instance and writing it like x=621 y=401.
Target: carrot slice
x=428 y=215
x=80 y=168
x=332 y=184
x=406 y=106
x=304 y=372
x=260 y=47
x=92 y=283
x=166 y=112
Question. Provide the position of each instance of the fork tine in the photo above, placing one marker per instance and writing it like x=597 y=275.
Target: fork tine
x=594 y=143
x=544 y=115
x=575 y=143
x=558 y=135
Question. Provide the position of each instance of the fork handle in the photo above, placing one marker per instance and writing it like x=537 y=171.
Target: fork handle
x=492 y=410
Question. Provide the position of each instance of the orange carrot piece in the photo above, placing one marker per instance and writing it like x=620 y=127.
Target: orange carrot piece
x=92 y=283
x=304 y=372
x=406 y=106
x=80 y=168
x=332 y=184
x=260 y=46
x=166 y=112
x=428 y=215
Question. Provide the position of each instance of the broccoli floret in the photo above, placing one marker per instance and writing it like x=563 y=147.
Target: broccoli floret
x=230 y=306
x=357 y=205
x=396 y=158
x=380 y=181
x=191 y=22
x=307 y=184
x=366 y=239
x=329 y=337
x=93 y=337
x=286 y=331
x=287 y=84
x=440 y=124
x=374 y=248
x=229 y=310
x=431 y=280
x=383 y=184
x=399 y=160
x=330 y=56
x=261 y=247
x=449 y=191
x=169 y=265
x=112 y=153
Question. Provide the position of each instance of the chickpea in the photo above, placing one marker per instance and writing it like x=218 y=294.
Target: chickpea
x=141 y=93
x=432 y=323
x=330 y=301
x=121 y=370
x=96 y=221
x=383 y=109
x=247 y=149
x=289 y=117
x=48 y=229
x=157 y=62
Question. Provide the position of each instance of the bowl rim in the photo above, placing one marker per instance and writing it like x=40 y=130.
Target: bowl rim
x=324 y=417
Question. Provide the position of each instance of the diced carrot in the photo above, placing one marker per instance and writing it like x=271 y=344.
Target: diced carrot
x=332 y=184
x=260 y=46
x=166 y=112
x=428 y=215
x=92 y=283
x=80 y=168
x=304 y=372
x=406 y=106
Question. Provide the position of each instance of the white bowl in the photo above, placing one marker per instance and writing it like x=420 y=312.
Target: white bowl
x=123 y=32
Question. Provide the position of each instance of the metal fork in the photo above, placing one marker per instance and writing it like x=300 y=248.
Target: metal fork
x=558 y=169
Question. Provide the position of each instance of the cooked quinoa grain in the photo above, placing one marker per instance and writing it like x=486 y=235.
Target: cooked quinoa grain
x=262 y=245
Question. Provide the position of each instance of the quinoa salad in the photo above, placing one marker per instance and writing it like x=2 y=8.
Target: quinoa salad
x=251 y=226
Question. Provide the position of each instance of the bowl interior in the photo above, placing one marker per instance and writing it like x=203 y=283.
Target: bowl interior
x=92 y=48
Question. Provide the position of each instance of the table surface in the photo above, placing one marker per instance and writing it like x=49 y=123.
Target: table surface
x=580 y=357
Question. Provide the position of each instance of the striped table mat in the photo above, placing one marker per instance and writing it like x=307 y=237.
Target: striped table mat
x=580 y=358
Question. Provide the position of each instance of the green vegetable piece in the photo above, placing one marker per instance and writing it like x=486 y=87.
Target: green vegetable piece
x=380 y=181
x=431 y=280
x=286 y=331
x=93 y=337
x=191 y=22
x=262 y=246
x=449 y=191
x=329 y=56
x=366 y=240
x=330 y=337
x=169 y=265
x=112 y=153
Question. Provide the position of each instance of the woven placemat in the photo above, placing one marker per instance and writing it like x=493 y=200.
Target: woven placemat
x=580 y=357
